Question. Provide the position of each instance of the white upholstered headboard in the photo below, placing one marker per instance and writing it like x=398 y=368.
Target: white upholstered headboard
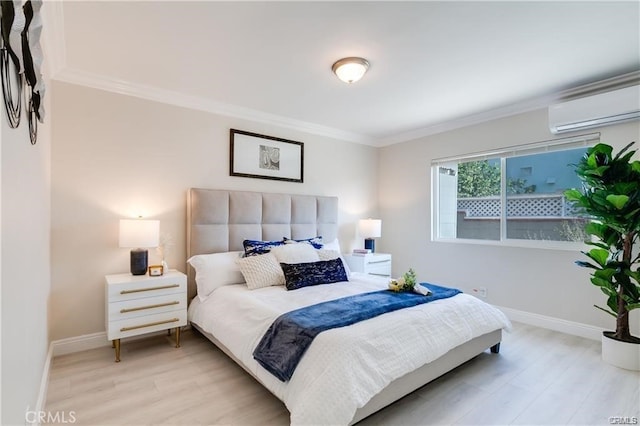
x=219 y=220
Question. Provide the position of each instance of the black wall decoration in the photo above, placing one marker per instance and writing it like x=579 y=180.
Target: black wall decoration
x=20 y=62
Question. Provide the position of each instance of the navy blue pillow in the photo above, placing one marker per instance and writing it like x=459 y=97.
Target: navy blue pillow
x=298 y=275
x=256 y=247
x=316 y=242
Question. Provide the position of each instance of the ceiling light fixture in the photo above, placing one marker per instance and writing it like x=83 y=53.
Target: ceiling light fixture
x=350 y=69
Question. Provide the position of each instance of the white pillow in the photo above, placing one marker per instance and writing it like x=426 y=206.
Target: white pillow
x=295 y=253
x=324 y=254
x=215 y=270
x=262 y=270
x=333 y=245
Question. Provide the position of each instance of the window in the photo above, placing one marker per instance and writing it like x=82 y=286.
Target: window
x=515 y=194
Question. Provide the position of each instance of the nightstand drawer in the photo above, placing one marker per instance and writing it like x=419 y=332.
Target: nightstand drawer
x=146 y=324
x=147 y=306
x=128 y=287
x=379 y=268
x=372 y=263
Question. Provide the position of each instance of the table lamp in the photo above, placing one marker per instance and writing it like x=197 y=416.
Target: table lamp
x=370 y=229
x=139 y=234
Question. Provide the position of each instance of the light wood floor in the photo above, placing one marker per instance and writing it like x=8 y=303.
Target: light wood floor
x=540 y=377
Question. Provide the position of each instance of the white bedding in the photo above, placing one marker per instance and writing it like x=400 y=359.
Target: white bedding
x=344 y=367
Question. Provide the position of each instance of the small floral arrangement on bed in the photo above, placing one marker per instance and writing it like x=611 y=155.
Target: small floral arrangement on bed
x=404 y=283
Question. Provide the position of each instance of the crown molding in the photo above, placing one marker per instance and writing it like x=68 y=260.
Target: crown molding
x=465 y=121
x=628 y=79
x=156 y=94
x=53 y=39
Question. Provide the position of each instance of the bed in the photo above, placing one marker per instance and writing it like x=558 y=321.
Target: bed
x=356 y=370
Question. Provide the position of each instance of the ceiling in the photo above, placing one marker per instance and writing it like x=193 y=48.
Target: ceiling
x=433 y=64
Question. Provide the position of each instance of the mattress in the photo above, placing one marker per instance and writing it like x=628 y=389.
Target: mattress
x=344 y=367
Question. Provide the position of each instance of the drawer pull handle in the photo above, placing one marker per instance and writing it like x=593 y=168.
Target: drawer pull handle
x=138 y=290
x=379 y=275
x=151 y=324
x=141 y=308
x=379 y=261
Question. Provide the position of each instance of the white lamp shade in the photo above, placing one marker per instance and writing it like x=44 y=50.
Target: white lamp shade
x=138 y=233
x=370 y=228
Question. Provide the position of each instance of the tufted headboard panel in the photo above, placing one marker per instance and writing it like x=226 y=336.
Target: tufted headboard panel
x=219 y=220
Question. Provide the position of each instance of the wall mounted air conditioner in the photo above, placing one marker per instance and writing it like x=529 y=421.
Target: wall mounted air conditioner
x=594 y=111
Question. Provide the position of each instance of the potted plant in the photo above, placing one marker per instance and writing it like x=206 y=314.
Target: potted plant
x=610 y=198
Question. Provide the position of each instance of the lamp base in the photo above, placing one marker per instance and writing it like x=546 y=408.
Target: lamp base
x=139 y=261
x=370 y=244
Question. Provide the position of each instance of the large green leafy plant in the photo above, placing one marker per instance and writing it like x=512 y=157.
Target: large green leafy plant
x=610 y=197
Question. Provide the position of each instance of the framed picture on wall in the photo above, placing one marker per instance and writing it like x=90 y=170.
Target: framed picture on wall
x=265 y=157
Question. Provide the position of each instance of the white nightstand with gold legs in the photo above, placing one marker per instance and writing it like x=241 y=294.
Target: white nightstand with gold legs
x=139 y=304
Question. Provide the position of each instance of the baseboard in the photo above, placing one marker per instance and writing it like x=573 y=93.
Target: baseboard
x=555 y=324
x=44 y=386
x=92 y=341
x=80 y=343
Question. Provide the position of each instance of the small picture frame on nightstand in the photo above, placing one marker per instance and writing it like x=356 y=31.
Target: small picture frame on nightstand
x=156 y=270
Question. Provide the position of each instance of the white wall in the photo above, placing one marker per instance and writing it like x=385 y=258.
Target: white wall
x=545 y=282
x=25 y=266
x=116 y=156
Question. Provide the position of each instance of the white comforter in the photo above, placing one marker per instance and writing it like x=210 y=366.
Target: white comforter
x=344 y=367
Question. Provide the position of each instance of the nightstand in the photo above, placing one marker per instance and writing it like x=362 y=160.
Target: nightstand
x=139 y=304
x=371 y=263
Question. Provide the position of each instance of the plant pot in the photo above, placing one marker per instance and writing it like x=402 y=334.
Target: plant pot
x=619 y=353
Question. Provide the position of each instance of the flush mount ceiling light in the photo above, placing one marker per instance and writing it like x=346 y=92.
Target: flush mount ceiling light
x=351 y=69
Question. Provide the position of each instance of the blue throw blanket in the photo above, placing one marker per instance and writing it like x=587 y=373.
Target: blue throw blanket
x=288 y=338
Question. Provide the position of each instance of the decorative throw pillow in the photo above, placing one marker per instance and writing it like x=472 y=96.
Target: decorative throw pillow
x=295 y=253
x=327 y=254
x=261 y=270
x=255 y=247
x=316 y=242
x=298 y=275
x=215 y=270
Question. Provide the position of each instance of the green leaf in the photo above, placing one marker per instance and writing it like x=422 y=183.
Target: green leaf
x=631 y=214
x=632 y=306
x=618 y=201
x=602 y=148
x=623 y=150
x=605 y=273
x=599 y=255
x=605 y=284
x=635 y=166
x=586 y=264
x=573 y=194
x=596 y=229
x=597 y=244
x=598 y=171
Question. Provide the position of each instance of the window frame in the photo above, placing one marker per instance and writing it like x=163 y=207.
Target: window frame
x=559 y=144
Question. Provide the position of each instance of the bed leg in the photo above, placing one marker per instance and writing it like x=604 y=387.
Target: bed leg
x=495 y=348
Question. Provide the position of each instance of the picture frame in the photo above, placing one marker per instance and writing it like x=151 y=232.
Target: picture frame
x=156 y=270
x=265 y=157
